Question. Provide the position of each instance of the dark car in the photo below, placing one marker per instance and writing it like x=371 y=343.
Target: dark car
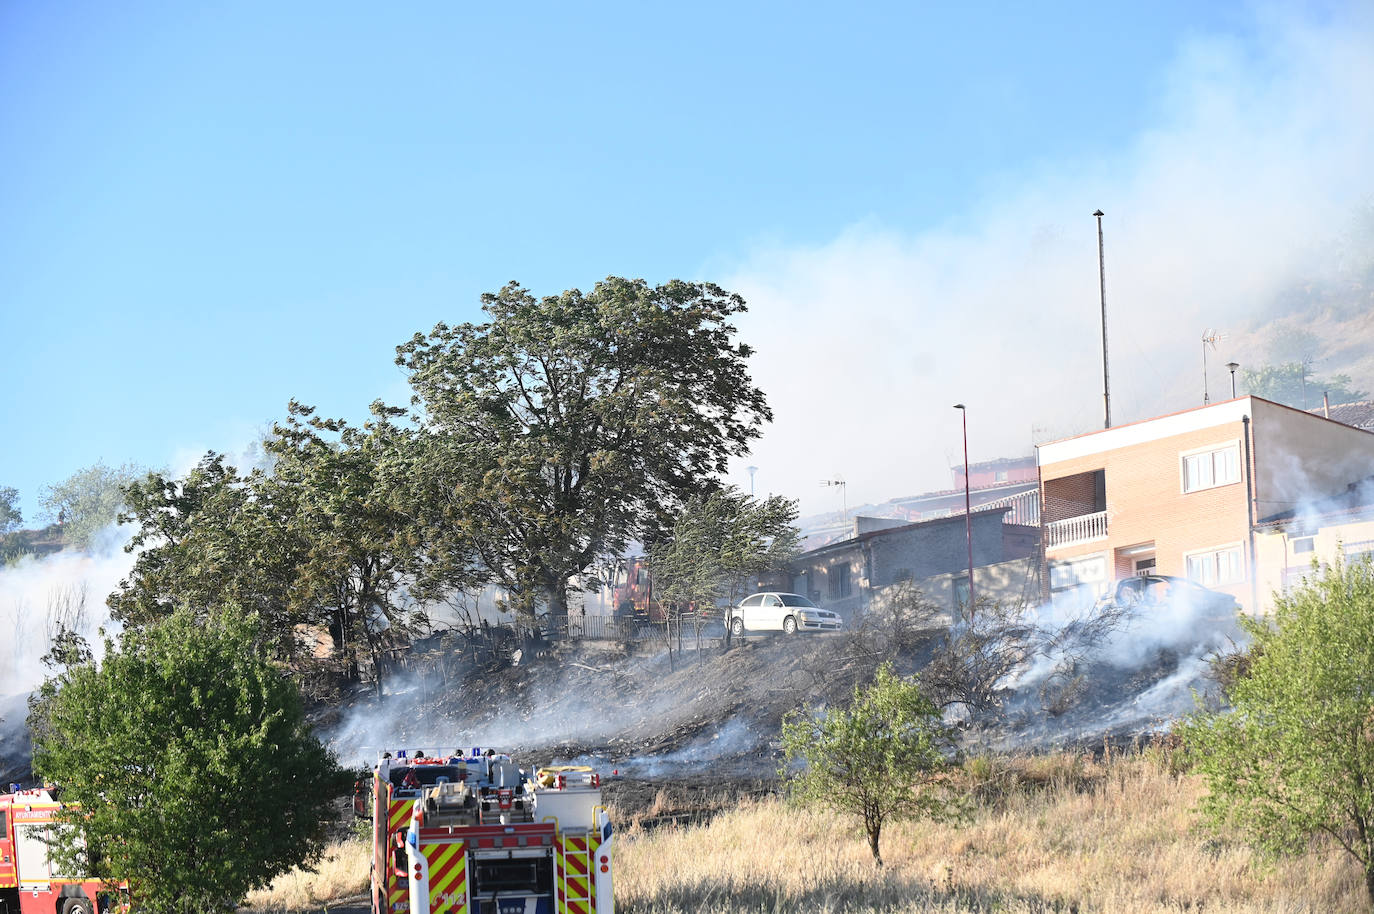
x=1148 y=590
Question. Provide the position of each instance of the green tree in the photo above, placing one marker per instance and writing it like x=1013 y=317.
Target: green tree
x=1295 y=753
x=214 y=537
x=367 y=508
x=720 y=540
x=10 y=517
x=882 y=758
x=89 y=500
x=337 y=535
x=568 y=425
x=187 y=764
x=1293 y=384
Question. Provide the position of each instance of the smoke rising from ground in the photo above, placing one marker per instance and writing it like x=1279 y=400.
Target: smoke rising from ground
x=38 y=594
x=1255 y=163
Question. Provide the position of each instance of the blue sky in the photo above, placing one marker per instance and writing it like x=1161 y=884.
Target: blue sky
x=211 y=209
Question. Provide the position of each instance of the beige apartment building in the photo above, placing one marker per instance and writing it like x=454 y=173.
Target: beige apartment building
x=1186 y=494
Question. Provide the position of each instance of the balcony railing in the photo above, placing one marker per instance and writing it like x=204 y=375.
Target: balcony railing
x=1081 y=529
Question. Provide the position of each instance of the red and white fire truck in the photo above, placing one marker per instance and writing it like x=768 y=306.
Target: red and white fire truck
x=30 y=882
x=471 y=833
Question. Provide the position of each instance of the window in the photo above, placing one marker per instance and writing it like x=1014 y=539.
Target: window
x=755 y=600
x=1211 y=468
x=839 y=581
x=1303 y=545
x=1221 y=566
x=1000 y=476
x=1358 y=551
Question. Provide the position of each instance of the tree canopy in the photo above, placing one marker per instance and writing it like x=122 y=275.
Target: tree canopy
x=566 y=426
x=89 y=500
x=718 y=541
x=337 y=535
x=10 y=516
x=1295 y=753
x=1294 y=384
x=187 y=765
x=880 y=758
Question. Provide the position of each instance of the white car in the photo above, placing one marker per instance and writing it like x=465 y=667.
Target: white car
x=784 y=612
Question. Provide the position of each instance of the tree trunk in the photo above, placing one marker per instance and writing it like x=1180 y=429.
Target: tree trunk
x=1369 y=880
x=875 y=829
x=556 y=592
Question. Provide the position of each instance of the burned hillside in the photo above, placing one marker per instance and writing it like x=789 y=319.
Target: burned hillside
x=1015 y=681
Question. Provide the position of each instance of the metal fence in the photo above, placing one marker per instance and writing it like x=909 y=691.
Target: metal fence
x=609 y=628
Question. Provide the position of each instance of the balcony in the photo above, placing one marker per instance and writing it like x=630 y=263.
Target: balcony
x=1082 y=529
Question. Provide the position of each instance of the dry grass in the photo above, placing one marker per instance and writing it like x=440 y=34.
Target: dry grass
x=1062 y=835
x=341 y=874
x=1047 y=834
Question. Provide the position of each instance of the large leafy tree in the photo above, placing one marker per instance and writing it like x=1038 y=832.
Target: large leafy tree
x=568 y=425
x=89 y=500
x=338 y=535
x=366 y=511
x=1295 y=754
x=187 y=765
x=881 y=758
x=213 y=537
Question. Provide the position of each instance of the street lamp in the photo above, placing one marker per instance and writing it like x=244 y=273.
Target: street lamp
x=968 y=511
x=1233 y=366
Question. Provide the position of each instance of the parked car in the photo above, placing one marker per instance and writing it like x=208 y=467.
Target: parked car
x=1148 y=590
x=784 y=612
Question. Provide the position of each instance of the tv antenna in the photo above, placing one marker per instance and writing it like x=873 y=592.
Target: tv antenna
x=844 y=502
x=1210 y=337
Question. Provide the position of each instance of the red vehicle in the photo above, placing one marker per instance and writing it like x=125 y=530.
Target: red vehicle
x=634 y=592
x=30 y=883
x=457 y=833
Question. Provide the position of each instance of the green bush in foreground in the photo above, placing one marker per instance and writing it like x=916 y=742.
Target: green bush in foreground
x=880 y=758
x=188 y=755
x=1295 y=755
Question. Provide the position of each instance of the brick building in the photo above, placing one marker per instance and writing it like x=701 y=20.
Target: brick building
x=1183 y=494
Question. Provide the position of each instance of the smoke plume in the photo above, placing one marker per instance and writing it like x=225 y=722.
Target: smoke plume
x=1254 y=163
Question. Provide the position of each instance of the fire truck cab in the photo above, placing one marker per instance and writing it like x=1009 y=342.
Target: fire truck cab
x=30 y=882
x=472 y=833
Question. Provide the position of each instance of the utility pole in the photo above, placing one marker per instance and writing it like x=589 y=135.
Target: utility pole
x=968 y=511
x=1102 y=286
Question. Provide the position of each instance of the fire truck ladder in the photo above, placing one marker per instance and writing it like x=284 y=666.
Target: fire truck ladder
x=575 y=888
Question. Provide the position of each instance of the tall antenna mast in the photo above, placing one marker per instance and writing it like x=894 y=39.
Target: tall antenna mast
x=1102 y=285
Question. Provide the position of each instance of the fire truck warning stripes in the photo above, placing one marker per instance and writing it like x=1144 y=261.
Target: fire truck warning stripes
x=448 y=876
x=398 y=815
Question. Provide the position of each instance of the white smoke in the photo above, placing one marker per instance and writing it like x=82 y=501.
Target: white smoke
x=1254 y=160
x=37 y=594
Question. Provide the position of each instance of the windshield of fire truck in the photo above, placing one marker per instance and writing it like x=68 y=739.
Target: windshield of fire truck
x=427 y=775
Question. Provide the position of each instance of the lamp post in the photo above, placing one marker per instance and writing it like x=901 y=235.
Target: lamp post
x=1233 y=366
x=968 y=511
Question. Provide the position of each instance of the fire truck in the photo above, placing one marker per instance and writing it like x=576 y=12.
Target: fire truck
x=30 y=882
x=471 y=833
